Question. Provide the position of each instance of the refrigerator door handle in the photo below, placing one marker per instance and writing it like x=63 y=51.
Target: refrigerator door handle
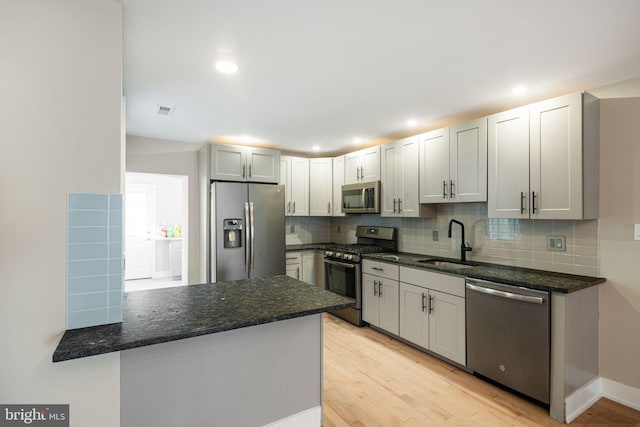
x=251 y=266
x=247 y=241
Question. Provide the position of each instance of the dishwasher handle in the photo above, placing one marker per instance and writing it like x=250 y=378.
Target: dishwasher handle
x=504 y=294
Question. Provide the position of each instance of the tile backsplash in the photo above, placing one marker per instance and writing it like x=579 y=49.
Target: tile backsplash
x=516 y=242
x=307 y=229
x=94 y=259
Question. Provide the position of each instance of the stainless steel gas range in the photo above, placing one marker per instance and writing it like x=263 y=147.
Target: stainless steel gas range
x=342 y=264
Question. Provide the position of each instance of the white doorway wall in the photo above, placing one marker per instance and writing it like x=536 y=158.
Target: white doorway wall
x=140 y=215
x=162 y=200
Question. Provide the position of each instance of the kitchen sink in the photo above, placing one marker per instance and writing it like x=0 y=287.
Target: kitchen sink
x=444 y=264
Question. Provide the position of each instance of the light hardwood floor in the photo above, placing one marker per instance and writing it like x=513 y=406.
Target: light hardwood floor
x=371 y=379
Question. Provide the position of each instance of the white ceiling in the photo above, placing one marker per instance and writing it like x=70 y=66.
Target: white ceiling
x=325 y=72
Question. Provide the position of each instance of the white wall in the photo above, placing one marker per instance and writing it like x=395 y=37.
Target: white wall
x=171 y=203
x=619 y=253
x=168 y=157
x=60 y=131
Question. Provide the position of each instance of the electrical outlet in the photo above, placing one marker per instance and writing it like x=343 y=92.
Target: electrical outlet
x=435 y=235
x=292 y=229
x=636 y=231
x=556 y=243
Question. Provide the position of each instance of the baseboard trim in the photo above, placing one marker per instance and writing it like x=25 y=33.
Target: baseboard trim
x=580 y=400
x=311 y=417
x=590 y=393
x=621 y=393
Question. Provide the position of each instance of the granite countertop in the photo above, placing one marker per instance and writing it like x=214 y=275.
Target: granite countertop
x=526 y=277
x=307 y=247
x=169 y=314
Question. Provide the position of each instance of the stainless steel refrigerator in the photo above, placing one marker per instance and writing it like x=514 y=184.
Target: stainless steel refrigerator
x=247 y=230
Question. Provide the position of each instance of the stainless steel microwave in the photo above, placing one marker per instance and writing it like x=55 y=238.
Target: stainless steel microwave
x=362 y=197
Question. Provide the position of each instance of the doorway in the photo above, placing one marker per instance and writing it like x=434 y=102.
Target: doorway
x=156 y=231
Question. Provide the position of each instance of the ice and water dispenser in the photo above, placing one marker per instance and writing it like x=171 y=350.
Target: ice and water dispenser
x=232 y=228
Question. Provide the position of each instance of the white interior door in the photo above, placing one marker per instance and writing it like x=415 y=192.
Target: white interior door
x=139 y=226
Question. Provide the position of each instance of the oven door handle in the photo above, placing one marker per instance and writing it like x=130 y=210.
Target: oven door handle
x=341 y=264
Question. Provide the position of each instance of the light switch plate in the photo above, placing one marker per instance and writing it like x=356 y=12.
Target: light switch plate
x=556 y=243
x=636 y=232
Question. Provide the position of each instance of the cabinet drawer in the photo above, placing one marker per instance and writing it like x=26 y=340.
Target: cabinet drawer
x=380 y=269
x=293 y=258
x=427 y=279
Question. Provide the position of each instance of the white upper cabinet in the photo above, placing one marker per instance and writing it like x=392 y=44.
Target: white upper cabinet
x=389 y=159
x=434 y=166
x=561 y=160
x=295 y=178
x=508 y=179
x=468 y=161
x=399 y=176
x=240 y=163
x=320 y=186
x=453 y=163
x=338 y=181
x=362 y=166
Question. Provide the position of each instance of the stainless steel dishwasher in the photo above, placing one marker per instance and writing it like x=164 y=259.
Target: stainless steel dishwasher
x=508 y=336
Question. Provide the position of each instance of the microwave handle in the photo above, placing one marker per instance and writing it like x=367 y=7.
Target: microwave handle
x=364 y=197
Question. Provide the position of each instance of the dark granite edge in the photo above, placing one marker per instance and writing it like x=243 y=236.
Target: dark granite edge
x=306 y=247
x=551 y=288
x=588 y=281
x=61 y=356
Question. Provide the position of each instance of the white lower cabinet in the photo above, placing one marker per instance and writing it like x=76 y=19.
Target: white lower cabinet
x=307 y=266
x=293 y=265
x=380 y=296
x=414 y=317
x=313 y=268
x=432 y=312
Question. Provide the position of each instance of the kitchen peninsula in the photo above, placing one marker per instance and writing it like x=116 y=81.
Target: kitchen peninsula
x=245 y=352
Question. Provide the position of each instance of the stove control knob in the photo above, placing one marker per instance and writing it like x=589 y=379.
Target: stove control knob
x=328 y=253
x=348 y=257
x=339 y=254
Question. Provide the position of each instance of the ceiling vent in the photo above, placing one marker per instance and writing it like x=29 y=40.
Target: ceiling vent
x=164 y=110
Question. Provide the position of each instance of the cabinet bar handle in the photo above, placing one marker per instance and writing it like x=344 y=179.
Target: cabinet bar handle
x=328 y=207
x=244 y=168
x=249 y=171
x=399 y=205
x=522 y=203
x=430 y=304
x=294 y=207
x=289 y=207
x=444 y=189
x=452 y=192
x=394 y=205
x=533 y=202
x=375 y=291
x=380 y=289
x=377 y=268
x=298 y=273
x=358 y=173
x=423 y=306
x=361 y=172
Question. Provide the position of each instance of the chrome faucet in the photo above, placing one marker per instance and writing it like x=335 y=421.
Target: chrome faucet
x=464 y=248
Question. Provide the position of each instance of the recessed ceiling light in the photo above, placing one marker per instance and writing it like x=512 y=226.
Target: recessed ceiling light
x=412 y=123
x=316 y=148
x=357 y=141
x=519 y=90
x=227 y=67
